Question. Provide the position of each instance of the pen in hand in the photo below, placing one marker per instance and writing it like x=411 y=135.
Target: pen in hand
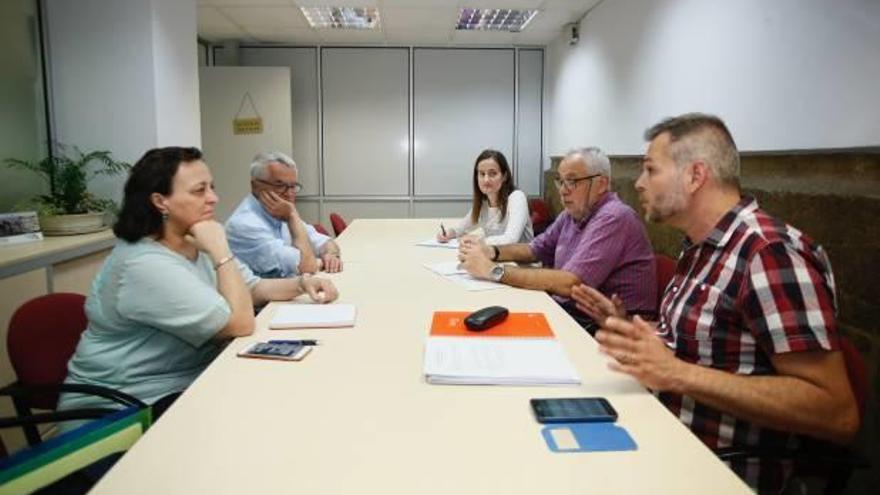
x=442 y=229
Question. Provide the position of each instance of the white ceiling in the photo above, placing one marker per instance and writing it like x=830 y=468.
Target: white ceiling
x=402 y=22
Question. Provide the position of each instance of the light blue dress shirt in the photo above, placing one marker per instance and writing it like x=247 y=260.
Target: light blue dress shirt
x=152 y=315
x=263 y=242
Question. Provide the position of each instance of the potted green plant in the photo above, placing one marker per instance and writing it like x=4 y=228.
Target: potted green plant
x=69 y=208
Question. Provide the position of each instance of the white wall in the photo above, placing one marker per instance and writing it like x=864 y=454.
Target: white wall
x=175 y=64
x=229 y=155
x=463 y=103
x=123 y=77
x=303 y=63
x=783 y=74
x=22 y=118
x=365 y=100
x=529 y=143
x=338 y=93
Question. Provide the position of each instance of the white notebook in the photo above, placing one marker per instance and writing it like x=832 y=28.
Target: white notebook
x=313 y=316
x=497 y=361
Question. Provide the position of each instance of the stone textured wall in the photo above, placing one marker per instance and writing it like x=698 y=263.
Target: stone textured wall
x=833 y=197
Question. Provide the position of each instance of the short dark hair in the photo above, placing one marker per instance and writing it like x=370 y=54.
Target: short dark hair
x=701 y=136
x=153 y=173
x=507 y=186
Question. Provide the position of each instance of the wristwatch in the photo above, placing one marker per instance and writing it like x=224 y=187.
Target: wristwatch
x=497 y=272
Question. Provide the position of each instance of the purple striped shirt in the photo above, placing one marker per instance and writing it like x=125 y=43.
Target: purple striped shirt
x=608 y=250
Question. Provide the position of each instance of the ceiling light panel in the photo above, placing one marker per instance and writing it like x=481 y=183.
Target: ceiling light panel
x=342 y=17
x=472 y=19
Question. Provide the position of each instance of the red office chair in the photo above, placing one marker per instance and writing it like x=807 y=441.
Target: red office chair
x=665 y=267
x=43 y=334
x=320 y=228
x=540 y=215
x=338 y=223
x=820 y=459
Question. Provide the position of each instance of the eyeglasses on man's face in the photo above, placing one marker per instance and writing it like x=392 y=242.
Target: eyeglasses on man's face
x=573 y=182
x=282 y=187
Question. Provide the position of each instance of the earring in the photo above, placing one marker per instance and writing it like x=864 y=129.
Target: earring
x=164 y=216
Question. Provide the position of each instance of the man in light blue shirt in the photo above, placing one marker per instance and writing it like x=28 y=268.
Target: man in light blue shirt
x=266 y=232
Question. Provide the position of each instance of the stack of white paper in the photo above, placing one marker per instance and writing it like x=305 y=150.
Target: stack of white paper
x=313 y=316
x=450 y=271
x=497 y=361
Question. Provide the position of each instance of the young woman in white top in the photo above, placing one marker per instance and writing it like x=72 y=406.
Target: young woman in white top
x=499 y=208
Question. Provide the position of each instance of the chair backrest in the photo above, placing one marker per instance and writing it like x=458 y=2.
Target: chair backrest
x=856 y=371
x=665 y=267
x=320 y=228
x=540 y=215
x=338 y=223
x=43 y=334
x=36 y=467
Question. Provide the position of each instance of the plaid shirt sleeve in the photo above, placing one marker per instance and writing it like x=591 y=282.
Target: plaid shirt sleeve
x=787 y=302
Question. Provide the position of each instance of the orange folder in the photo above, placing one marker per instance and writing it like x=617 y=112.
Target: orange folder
x=451 y=324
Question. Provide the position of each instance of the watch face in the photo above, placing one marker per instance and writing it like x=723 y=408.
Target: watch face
x=497 y=272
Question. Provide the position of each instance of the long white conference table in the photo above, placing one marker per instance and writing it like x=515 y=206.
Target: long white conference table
x=356 y=416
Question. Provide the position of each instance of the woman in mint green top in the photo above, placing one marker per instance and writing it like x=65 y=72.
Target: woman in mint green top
x=170 y=295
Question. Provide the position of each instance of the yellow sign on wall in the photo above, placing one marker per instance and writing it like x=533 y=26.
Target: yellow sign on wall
x=248 y=125
x=252 y=125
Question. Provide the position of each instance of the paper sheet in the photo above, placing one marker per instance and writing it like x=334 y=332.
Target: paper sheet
x=497 y=361
x=450 y=271
x=445 y=268
x=452 y=244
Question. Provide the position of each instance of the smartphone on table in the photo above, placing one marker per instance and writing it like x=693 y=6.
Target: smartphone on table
x=573 y=410
x=275 y=350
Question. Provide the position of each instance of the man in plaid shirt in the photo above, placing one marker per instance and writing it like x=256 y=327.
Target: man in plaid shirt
x=746 y=352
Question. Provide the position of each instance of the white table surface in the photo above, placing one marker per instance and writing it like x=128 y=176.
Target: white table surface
x=356 y=416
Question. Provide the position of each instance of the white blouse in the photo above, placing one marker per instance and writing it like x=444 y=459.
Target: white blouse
x=516 y=227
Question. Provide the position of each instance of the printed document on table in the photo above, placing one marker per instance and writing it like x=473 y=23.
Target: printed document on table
x=452 y=244
x=497 y=361
x=450 y=271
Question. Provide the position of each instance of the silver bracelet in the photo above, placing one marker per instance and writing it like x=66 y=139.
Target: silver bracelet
x=223 y=261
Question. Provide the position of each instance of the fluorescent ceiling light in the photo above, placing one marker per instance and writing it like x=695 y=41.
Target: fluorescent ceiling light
x=494 y=19
x=342 y=17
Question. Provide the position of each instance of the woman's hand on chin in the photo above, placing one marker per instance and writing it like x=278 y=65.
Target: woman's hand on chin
x=210 y=236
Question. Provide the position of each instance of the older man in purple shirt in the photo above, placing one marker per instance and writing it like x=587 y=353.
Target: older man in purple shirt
x=598 y=240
